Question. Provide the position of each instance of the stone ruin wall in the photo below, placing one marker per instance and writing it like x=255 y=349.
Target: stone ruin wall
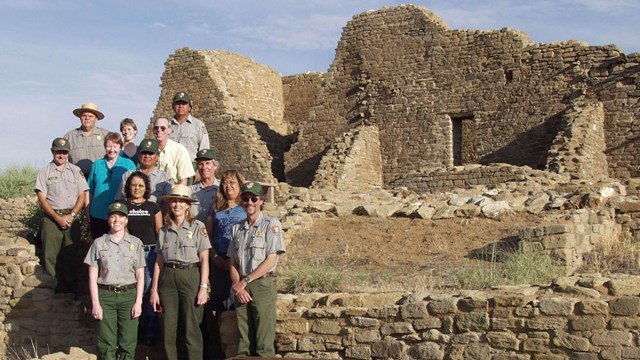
x=403 y=70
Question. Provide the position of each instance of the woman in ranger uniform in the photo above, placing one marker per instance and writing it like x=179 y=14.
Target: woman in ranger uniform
x=181 y=274
x=116 y=283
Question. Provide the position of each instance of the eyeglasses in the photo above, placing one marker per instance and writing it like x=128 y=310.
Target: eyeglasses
x=161 y=128
x=246 y=197
x=229 y=183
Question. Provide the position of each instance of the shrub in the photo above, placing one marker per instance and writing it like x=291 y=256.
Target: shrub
x=16 y=181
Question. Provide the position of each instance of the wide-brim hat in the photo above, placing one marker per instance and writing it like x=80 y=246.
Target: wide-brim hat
x=91 y=107
x=180 y=192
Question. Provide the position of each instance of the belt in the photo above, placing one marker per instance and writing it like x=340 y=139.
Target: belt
x=117 y=288
x=63 y=211
x=148 y=247
x=183 y=266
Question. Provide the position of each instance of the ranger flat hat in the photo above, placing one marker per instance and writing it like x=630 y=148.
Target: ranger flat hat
x=252 y=187
x=180 y=192
x=119 y=208
x=91 y=107
x=60 y=144
x=206 y=154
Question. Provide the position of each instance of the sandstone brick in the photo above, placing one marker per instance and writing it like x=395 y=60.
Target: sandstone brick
x=360 y=321
x=413 y=311
x=396 y=328
x=326 y=327
x=388 y=349
x=612 y=338
x=427 y=323
x=358 y=352
x=626 y=306
x=473 y=321
x=587 y=323
x=571 y=342
x=503 y=340
x=442 y=306
x=311 y=343
x=367 y=336
x=557 y=306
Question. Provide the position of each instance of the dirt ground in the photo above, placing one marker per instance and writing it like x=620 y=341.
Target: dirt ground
x=404 y=254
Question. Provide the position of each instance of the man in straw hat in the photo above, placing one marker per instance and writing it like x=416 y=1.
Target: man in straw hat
x=254 y=250
x=61 y=188
x=87 y=141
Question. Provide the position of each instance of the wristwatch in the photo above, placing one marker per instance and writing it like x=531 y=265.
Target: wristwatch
x=73 y=215
x=247 y=279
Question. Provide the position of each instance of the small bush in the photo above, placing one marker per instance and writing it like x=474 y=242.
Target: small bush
x=619 y=254
x=16 y=181
x=520 y=266
x=310 y=277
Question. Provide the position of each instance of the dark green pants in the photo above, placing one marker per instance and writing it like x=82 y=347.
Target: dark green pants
x=61 y=253
x=117 y=331
x=178 y=289
x=257 y=319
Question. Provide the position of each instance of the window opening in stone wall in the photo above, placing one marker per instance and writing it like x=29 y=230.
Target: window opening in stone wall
x=458 y=134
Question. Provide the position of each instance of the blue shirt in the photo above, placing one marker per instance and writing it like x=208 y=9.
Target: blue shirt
x=223 y=221
x=133 y=158
x=103 y=184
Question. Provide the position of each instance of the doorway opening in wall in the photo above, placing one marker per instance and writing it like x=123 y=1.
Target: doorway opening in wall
x=459 y=131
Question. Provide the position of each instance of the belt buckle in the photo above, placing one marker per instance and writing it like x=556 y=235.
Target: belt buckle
x=118 y=289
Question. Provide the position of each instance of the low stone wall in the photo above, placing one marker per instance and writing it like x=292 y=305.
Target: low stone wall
x=12 y=212
x=575 y=318
x=572 y=236
x=431 y=180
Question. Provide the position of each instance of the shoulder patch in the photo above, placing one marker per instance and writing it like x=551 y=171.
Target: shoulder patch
x=203 y=231
x=275 y=229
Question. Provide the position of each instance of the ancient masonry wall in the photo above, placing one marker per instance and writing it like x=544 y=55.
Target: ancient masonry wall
x=224 y=84
x=468 y=175
x=299 y=93
x=444 y=97
x=353 y=162
x=579 y=148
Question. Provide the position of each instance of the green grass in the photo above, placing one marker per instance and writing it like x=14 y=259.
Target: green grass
x=517 y=266
x=305 y=277
x=17 y=181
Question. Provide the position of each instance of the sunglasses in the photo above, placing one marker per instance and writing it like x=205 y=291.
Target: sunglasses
x=246 y=197
x=161 y=128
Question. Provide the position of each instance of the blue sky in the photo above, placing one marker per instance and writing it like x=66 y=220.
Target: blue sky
x=57 y=54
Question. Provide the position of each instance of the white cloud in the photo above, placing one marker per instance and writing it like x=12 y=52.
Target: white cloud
x=158 y=25
x=201 y=28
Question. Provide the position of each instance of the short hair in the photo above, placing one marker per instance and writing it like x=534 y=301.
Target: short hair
x=114 y=137
x=129 y=122
x=147 y=184
x=164 y=118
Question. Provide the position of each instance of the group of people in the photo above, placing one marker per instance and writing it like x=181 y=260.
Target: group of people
x=164 y=228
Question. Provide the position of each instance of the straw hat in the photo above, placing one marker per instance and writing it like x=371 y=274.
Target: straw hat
x=91 y=107
x=180 y=192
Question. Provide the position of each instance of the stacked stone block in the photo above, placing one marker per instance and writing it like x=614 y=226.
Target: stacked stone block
x=579 y=148
x=12 y=212
x=569 y=240
x=405 y=71
x=353 y=163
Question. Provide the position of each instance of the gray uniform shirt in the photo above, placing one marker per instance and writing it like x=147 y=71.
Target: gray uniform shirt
x=183 y=243
x=158 y=180
x=192 y=134
x=117 y=262
x=61 y=187
x=206 y=198
x=86 y=149
x=250 y=245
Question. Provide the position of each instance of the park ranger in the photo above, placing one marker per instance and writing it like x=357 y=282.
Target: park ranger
x=206 y=189
x=61 y=189
x=86 y=142
x=254 y=250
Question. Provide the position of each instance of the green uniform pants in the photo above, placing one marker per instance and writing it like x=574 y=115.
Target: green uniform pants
x=61 y=253
x=178 y=289
x=117 y=331
x=257 y=319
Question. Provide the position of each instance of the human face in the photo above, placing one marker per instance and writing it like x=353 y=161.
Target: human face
x=148 y=160
x=162 y=130
x=112 y=149
x=88 y=120
x=179 y=207
x=251 y=203
x=206 y=169
x=137 y=188
x=60 y=157
x=231 y=188
x=128 y=133
x=181 y=108
x=117 y=222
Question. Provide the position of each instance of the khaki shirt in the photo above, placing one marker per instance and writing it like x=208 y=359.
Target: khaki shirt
x=174 y=160
x=86 y=149
x=117 y=262
x=183 y=243
x=192 y=134
x=206 y=198
x=250 y=245
x=61 y=187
